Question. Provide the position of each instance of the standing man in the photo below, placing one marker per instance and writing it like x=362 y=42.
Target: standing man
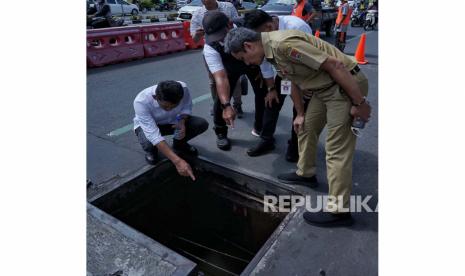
x=316 y=15
x=261 y=21
x=159 y=110
x=302 y=9
x=197 y=33
x=226 y=70
x=338 y=90
x=342 y=23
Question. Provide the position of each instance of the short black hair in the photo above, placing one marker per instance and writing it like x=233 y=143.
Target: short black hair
x=170 y=91
x=254 y=19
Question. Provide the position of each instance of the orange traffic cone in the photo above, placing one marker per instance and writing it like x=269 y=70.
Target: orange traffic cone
x=360 y=52
x=317 y=33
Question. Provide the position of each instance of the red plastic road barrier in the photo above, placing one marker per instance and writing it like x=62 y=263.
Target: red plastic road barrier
x=159 y=39
x=188 y=38
x=111 y=45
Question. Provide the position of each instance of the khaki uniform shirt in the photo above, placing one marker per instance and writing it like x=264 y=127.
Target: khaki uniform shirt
x=297 y=56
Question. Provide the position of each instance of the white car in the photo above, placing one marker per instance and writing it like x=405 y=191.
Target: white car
x=181 y=3
x=351 y=3
x=185 y=13
x=119 y=7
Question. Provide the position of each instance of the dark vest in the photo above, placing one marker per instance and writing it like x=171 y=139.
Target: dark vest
x=234 y=67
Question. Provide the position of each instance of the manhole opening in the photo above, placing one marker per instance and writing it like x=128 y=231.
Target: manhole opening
x=214 y=221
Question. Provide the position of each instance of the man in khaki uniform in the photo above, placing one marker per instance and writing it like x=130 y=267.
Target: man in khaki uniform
x=313 y=67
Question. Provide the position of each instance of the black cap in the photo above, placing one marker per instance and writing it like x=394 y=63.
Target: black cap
x=215 y=25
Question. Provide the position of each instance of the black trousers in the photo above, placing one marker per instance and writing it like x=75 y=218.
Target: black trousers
x=271 y=116
x=340 y=41
x=194 y=126
x=259 y=89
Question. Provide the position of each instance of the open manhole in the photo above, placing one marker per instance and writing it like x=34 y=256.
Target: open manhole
x=218 y=222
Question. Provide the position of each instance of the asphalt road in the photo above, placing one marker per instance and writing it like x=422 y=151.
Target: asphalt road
x=112 y=89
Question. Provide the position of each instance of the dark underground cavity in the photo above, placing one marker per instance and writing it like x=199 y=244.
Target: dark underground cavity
x=212 y=221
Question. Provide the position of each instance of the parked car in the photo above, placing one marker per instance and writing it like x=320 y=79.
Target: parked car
x=284 y=7
x=119 y=7
x=248 y=5
x=185 y=13
x=352 y=3
x=181 y=3
x=278 y=7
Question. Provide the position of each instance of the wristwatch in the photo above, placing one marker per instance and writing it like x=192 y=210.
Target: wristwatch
x=271 y=88
x=364 y=99
x=226 y=104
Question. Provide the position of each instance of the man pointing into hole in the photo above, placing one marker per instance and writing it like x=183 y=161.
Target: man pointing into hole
x=159 y=110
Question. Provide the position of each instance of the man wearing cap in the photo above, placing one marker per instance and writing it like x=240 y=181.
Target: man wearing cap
x=260 y=21
x=338 y=89
x=197 y=33
x=226 y=70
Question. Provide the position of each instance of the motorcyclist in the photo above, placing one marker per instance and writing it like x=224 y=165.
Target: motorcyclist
x=374 y=8
x=358 y=15
x=100 y=16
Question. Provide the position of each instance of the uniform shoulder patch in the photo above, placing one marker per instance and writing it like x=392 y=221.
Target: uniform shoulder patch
x=295 y=54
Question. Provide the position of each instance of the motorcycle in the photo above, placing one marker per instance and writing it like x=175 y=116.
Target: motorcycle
x=162 y=7
x=371 y=20
x=102 y=22
x=357 y=18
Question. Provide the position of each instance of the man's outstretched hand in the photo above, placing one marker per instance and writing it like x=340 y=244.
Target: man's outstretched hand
x=229 y=115
x=184 y=168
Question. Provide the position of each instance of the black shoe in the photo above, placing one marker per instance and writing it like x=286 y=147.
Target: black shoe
x=327 y=219
x=292 y=154
x=222 y=142
x=294 y=179
x=263 y=146
x=239 y=111
x=185 y=148
x=151 y=158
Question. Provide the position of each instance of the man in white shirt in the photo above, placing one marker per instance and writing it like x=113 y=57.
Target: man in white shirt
x=261 y=21
x=197 y=32
x=156 y=109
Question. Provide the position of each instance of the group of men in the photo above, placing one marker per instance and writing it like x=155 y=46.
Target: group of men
x=280 y=56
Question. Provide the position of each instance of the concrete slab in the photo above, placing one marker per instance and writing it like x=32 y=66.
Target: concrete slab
x=305 y=250
x=116 y=249
x=101 y=152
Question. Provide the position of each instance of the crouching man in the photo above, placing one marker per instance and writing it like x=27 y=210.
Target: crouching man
x=159 y=111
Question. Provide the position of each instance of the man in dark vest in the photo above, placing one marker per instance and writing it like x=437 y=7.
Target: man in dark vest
x=226 y=70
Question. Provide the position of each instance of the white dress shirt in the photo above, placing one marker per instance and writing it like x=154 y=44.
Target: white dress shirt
x=149 y=114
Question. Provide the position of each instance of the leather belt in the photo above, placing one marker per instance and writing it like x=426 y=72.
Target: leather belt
x=355 y=70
